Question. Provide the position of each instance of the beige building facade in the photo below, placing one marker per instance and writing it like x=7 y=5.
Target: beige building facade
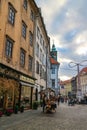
x=66 y=87
x=83 y=81
x=41 y=53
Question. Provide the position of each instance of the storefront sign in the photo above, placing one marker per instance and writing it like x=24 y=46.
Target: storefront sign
x=27 y=79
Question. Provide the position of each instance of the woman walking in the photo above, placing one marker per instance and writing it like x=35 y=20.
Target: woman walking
x=58 y=99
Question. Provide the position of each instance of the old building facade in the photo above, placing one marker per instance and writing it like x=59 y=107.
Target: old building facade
x=54 y=69
x=41 y=55
x=16 y=51
x=83 y=82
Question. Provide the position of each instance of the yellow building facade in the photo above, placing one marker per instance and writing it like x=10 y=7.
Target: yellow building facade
x=16 y=51
x=66 y=87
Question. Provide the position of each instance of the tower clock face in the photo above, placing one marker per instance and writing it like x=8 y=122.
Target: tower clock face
x=54 y=54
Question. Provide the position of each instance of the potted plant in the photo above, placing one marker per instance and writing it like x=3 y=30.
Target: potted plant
x=16 y=109
x=8 y=112
x=1 y=113
x=35 y=104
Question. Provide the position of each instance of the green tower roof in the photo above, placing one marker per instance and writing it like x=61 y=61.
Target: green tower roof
x=53 y=48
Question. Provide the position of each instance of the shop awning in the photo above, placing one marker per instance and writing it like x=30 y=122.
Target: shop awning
x=27 y=84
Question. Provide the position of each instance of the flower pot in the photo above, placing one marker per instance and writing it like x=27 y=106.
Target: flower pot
x=16 y=109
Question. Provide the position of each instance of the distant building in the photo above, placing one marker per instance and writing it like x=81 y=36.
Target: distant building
x=62 y=87
x=54 y=69
x=66 y=88
x=41 y=55
x=83 y=81
x=74 y=86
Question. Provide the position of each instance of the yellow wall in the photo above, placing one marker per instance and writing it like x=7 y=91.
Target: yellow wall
x=15 y=32
x=67 y=88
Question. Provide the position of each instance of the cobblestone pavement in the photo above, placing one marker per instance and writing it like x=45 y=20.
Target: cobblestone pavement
x=65 y=118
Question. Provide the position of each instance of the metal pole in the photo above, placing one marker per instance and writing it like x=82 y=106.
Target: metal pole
x=79 y=92
x=78 y=86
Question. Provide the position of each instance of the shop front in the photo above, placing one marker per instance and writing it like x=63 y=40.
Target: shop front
x=9 y=87
x=27 y=84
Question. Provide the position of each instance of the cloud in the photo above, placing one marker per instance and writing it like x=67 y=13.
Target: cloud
x=64 y=78
x=66 y=23
x=49 y=10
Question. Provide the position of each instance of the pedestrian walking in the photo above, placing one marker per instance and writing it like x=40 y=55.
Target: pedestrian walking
x=44 y=102
x=58 y=99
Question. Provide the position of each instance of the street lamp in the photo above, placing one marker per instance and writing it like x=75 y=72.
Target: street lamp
x=74 y=64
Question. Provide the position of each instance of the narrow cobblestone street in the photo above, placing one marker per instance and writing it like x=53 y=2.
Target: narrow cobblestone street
x=65 y=118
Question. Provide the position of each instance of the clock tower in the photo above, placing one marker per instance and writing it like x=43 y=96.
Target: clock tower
x=53 y=52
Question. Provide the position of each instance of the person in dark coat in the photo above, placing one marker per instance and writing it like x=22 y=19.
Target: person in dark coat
x=58 y=99
x=44 y=102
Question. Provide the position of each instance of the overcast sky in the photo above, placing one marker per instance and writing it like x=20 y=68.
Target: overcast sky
x=66 y=24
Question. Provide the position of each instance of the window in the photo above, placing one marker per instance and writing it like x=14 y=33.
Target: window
x=53 y=83
x=11 y=15
x=24 y=27
x=9 y=47
x=43 y=44
x=41 y=39
x=37 y=50
x=22 y=57
x=40 y=55
x=38 y=32
x=37 y=67
x=31 y=38
x=43 y=59
x=41 y=71
x=53 y=69
x=25 y=4
x=32 y=15
x=30 y=63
